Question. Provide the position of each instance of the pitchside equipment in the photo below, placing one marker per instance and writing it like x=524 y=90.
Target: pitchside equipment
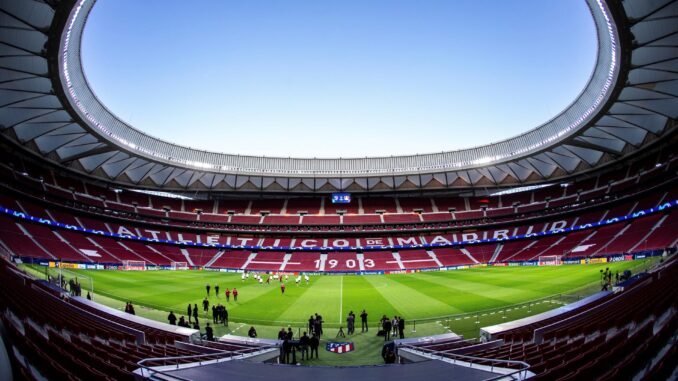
x=134 y=265
x=179 y=266
x=550 y=260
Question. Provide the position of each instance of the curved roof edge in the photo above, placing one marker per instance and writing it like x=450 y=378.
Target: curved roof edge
x=110 y=127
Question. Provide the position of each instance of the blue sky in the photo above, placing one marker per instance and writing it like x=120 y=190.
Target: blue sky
x=337 y=78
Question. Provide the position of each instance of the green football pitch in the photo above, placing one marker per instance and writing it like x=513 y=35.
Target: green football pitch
x=459 y=301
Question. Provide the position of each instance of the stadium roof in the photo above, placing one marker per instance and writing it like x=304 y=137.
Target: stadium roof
x=48 y=108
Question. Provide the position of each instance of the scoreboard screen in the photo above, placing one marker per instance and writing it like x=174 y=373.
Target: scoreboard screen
x=341 y=198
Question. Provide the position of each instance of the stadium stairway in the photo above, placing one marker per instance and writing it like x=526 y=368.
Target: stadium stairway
x=215 y=258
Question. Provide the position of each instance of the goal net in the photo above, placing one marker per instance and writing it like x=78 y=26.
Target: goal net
x=179 y=266
x=134 y=265
x=550 y=260
x=75 y=283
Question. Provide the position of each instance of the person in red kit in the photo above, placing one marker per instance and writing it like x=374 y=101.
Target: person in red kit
x=228 y=294
x=235 y=294
x=282 y=288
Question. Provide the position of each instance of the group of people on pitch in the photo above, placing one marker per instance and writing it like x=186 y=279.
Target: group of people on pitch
x=304 y=344
x=606 y=279
x=220 y=314
x=227 y=293
x=182 y=322
x=315 y=325
x=350 y=324
x=395 y=327
x=129 y=308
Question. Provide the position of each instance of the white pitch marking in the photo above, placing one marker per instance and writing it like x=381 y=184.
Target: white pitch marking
x=441 y=324
x=341 y=298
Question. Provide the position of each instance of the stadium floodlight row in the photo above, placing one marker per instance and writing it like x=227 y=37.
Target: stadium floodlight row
x=349 y=243
x=370 y=214
x=88 y=240
x=629 y=102
x=612 y=219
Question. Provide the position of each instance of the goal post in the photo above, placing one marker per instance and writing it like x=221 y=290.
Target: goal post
x=550 y=260
x=129 y=265
x=64 y=278
x=179 y=266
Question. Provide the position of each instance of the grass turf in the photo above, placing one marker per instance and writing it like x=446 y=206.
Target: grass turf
x=422 y=297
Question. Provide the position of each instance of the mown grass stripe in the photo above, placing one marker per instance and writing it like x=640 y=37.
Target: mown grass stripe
x=413 y=296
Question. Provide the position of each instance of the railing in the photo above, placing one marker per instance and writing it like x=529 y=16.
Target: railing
x=472 y=362
x=5 y=253
x=445 y=320
x=552 y=299
x=148 y=370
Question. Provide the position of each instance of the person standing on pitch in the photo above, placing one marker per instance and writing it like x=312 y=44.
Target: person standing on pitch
x=205 y=305
x=171 y=318
x=401 y=327
x=314 y=342
x=282 y=334
x=319 y=324
x=387 y=326
x=311 y=324
x=195 y=312
x=363 y=321
x=235 y=294
x=207 y=287
x=209 y=332
x=303 y=346
x=228 y=294
x=216 y=290
x=189 y=312
x=282 y=288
